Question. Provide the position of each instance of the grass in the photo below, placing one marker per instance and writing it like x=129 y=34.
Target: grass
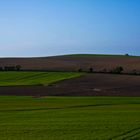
x=34 y=78
x=69 y=118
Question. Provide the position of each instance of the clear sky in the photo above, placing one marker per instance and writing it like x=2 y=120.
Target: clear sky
x=53 y=27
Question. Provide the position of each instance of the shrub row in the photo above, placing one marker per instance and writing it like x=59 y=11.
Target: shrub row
x=11 y=68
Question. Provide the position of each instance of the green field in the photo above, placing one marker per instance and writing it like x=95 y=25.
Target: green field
x=69 y=118
x=34 y=78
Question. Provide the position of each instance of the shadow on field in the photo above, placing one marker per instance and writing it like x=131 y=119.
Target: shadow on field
x=128 y=135
x=68 y=107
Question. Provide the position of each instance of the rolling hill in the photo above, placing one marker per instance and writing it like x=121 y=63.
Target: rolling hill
x=74 y=62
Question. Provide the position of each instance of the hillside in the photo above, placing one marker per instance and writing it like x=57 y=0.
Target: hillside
x=75 y=62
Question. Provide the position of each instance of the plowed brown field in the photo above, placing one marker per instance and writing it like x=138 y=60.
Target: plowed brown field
x=73 y=63
x=87 y=85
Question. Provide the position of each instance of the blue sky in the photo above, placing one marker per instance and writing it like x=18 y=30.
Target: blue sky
x=53 y=27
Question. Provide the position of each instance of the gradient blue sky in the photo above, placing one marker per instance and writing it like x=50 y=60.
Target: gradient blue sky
x=53 y=27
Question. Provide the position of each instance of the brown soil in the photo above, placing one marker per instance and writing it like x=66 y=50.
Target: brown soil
x=88 y=85
x=73 y=63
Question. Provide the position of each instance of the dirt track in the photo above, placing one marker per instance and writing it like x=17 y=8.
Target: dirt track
x=88 y=85
x=73 y=63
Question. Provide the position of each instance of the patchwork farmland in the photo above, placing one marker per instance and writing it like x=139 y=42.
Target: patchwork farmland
x=68 y=84
x=42 y=104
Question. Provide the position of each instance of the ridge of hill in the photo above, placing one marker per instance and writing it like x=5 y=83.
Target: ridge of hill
x=74 y=62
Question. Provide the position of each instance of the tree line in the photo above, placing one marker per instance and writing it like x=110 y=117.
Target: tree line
x=117 y=70
x=11 y=68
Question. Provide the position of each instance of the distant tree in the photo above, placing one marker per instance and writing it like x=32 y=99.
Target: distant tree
x=126 y=54
x=91 y=70
x=9 y=68
x=18 y=67
x=1 y=68
x=134 y=72
x=5 y=68
x=80 y=70
x=117 y=70
x=104 y=70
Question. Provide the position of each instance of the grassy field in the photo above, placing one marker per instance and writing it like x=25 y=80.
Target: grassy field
x=34 y=78
x=69 y=118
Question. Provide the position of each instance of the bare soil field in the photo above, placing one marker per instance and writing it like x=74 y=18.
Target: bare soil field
x=73 y=63
x=87 y=85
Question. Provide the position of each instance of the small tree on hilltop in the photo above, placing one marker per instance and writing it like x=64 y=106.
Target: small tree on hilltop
x=126 y=54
